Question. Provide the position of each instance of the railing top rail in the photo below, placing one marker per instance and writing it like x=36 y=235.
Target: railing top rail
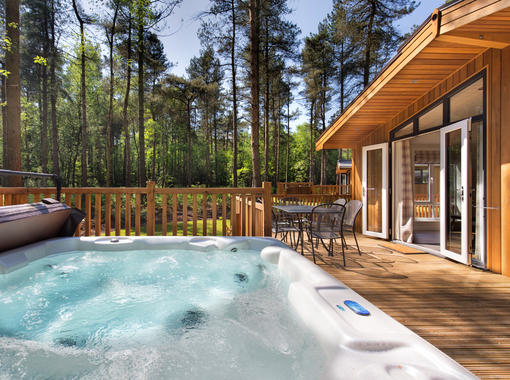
x=134 y=190
x=305 y=195
x=211 y=190
x=73 y=190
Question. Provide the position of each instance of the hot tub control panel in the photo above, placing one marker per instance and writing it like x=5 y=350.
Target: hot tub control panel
x=356 y=307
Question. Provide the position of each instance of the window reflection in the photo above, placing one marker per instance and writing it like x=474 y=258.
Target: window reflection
x=431 y=119
x=468 y=102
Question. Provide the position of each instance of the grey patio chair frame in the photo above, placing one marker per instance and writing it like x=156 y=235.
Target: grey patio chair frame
x=340 y=201
x=352 y=209
x=335 y=231
x=284 y=227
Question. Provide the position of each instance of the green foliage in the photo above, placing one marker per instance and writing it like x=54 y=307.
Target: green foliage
x=40 y=60
x=193 y=113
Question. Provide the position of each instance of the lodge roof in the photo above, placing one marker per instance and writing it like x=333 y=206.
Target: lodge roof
x=449 y=38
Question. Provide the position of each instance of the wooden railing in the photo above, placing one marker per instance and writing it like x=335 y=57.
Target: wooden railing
x=426 y=211
x=304 y=188
x=309 y=199
x=161 y=211
x=325 y=189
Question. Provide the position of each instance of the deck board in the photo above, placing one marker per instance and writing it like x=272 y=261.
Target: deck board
x=463 y=311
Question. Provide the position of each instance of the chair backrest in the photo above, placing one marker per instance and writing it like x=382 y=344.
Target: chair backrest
x=327 y=217
x=274 y=220
x=340 y=201
x=352 y=209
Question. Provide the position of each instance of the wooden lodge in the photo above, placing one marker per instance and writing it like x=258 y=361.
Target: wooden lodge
x=429 y=137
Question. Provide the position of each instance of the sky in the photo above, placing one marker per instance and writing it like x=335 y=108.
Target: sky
x=181 y=42
x=180 y=35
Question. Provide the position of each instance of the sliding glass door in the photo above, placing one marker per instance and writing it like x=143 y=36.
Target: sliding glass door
x=375 y=190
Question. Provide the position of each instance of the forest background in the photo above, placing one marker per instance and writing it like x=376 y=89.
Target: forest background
x=109 y=112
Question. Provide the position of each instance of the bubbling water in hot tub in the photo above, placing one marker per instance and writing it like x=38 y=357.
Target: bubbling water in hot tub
x=169 y=314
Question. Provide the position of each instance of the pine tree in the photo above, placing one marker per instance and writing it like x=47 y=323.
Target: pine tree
x=374 y=20
x=12 y=142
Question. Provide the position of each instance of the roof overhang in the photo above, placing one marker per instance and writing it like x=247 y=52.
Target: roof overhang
x=451 y=37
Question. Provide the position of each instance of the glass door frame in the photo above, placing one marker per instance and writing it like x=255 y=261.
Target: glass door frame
x=464 y=256
x=384 y=190
x=445 y=99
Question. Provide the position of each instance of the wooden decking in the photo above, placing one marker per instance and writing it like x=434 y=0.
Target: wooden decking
x=463 y=311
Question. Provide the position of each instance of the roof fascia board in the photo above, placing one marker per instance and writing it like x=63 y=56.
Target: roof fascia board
x=465 y=12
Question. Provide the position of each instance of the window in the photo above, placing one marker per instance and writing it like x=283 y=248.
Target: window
x=404 y=131
x=467 y=102
x=431 y=119
x=426 y=191
x=421 y=183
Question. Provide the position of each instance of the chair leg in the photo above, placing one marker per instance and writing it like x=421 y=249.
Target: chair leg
x=343 y=255
x=313 y=253
x=356 y=240
x=344 y=242
x=328 y=249
x=297 y=240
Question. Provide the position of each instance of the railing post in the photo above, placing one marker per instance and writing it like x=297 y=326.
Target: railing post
x=266 y=200
x=151 y=208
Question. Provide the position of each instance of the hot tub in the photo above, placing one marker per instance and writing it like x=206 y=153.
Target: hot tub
x=195 y=308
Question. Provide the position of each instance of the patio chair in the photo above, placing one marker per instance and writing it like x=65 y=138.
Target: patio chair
x=352 y=209
x=327 y=224
x=284 y=226
x=340 y=201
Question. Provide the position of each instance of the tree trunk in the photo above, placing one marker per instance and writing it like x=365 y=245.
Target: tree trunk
x=277 y=124
x=188 y=128
x=154 y=143
x=141 y=122
x=275 y=140
x=311 y=173
x=44 y=102
x=266 y=100
x=4 y=117
x=338 y=159
x=342 y=77
x=342 y=96
x=288 y=140
x=110 y=102
x=368 y=47
x=127 y=137
x=12 y=142
x=53 y=94
x=323 y=117
x=207 y=143
x=44 y=119
x=234 y=94
x=254 y=84
x=83 y=97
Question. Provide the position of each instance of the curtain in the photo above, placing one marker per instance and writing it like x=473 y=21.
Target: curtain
x=427 y=157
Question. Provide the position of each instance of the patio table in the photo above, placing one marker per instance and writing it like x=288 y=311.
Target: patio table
x=298 y=211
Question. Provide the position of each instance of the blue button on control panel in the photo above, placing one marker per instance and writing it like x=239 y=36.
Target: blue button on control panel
x=356 y=307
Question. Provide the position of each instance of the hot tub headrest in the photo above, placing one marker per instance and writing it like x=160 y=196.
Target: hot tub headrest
x=27 y=223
